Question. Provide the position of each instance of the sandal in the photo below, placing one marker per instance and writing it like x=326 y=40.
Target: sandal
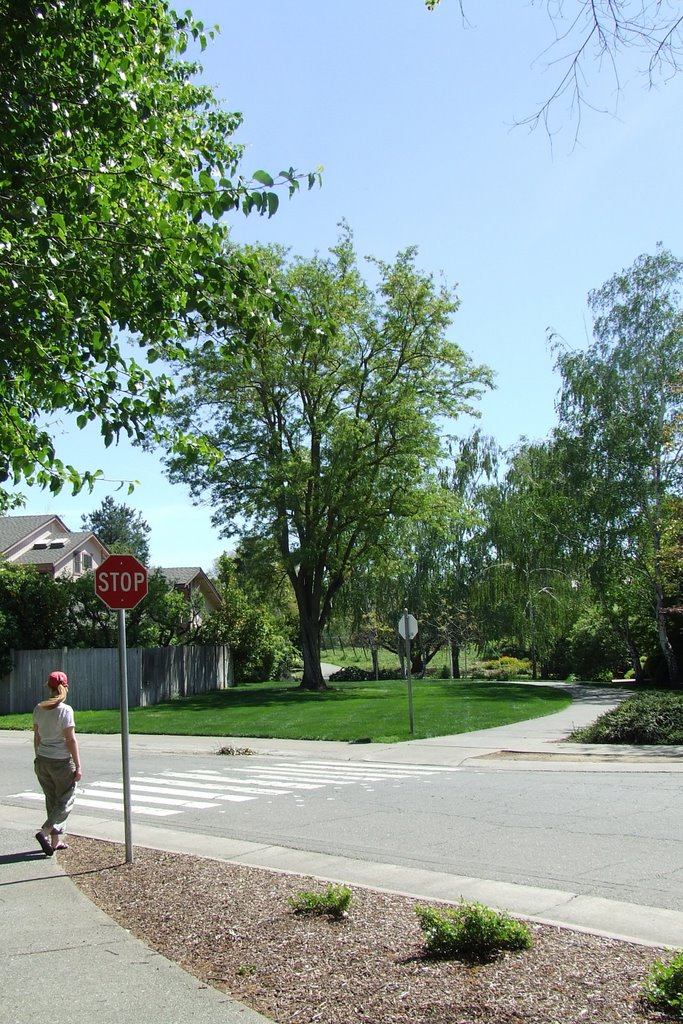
x=44 y=843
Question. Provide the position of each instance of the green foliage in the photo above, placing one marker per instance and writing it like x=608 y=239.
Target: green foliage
x=33 y=611
x=334 y=902
x=621 y=412
x=41 y=613
x=328 y=425
x=663 y=988
x=120 y=528
x=527 y=588
x=645 y=718
x=260 y=648
x=594 y=649
x=352 y=712
x=355 y=674
x=471 y=931
x=115 y=169
x=504 y=668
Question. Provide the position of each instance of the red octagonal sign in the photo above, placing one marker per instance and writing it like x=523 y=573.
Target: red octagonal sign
x=121 y=581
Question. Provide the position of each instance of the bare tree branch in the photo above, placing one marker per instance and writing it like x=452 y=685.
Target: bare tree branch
x=601 y=32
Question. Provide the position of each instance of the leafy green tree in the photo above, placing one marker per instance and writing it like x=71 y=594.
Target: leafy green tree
x=120 y=528
x=431 y=564
x=261 y=578
x=620 y=409
x=594 y=648
x=326 y=427
x=531 y=577
x=260 y=648
x=164 y=618
x=115 y=171
x=33 y=611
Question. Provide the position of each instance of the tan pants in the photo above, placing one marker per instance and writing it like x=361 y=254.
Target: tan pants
x=56 y=778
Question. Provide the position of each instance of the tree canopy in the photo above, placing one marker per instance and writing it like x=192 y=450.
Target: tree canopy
x=326 y=424
x=121 y=529
x=115 y=171
x=621 y=412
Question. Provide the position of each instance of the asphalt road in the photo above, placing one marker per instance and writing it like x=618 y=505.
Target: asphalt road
x=616 y=835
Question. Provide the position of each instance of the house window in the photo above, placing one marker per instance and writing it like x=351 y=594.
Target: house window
x=77 y=565
x=87 y=562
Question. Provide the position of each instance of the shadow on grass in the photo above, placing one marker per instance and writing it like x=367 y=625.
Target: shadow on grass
x=283 y=695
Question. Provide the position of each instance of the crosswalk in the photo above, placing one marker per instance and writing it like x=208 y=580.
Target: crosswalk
x=169 y=793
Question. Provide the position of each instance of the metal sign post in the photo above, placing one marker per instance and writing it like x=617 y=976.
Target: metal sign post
x=407 y=627
x=121 y=582
x=125 y=748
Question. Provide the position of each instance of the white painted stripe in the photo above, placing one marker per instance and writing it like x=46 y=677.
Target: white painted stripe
x=161 y=789
x=256 y=780
x=296 y=775
x=109 y=805
x=416 y=769
x=239 y=786
x=137 y=791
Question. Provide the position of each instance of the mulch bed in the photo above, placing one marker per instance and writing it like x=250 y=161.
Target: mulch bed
x=232 y=927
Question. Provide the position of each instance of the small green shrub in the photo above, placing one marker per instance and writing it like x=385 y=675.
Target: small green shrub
x=506 y=668
x=663 y=988
x=471 y=931
x=644 y=718
x=334 y=901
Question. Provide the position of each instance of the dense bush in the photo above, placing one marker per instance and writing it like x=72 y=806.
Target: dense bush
x=594 y=650
x=663 y=988
x=645 y=718
x=505 y=668
x=353 y=674
x=471 y=931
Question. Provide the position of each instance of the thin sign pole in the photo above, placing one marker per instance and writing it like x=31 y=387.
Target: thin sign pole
x=408 y=676
x=125 y=752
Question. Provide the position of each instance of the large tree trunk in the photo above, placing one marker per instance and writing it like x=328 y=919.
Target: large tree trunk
x=638 y=674
x=454 y=655
x=375 y=662
x=670 y=659
x=665 y=644
x=309 y=634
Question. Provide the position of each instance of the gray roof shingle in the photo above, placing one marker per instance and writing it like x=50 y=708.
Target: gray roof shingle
x=15 y=528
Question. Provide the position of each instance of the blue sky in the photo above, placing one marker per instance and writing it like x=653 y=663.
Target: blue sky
x=412 y=116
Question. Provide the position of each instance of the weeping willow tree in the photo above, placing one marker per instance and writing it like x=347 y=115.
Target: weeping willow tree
x=530 y=581
x=429 y=564
x=621 y=420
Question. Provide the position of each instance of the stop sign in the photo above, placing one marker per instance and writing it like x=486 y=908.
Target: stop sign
x=121 y=581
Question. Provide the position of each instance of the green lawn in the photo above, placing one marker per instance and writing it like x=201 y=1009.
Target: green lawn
x=376 y=711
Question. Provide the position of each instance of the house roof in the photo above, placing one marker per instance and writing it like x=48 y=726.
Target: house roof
x=14 y=528
x=182 y=576
x=185 y=576
x=54 y=550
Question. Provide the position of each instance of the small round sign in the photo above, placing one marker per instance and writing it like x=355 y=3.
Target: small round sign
x=121 y=581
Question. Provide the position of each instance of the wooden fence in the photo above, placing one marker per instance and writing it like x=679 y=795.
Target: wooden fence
x=154 y=674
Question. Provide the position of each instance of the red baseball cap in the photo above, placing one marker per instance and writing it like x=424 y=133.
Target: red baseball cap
x=57 y=679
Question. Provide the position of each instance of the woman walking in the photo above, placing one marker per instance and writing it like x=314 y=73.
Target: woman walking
x=57 y=763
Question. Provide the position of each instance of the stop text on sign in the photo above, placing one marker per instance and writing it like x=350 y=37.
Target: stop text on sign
x=123 y=582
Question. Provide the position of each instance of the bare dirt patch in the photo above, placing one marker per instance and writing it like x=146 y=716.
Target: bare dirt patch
x=231 y=926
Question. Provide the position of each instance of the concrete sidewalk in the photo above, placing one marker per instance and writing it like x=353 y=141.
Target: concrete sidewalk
x=60 y=951
x=63 y=958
